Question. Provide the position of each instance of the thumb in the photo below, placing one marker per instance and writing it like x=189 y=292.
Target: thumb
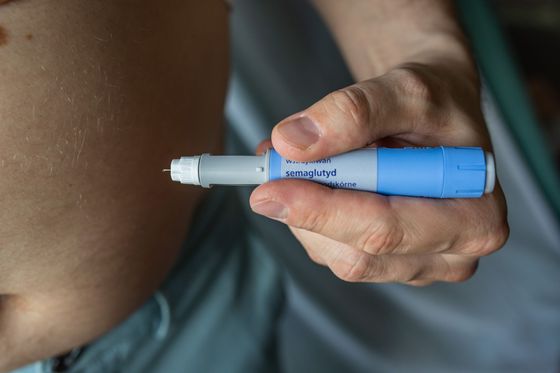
x=347 y=119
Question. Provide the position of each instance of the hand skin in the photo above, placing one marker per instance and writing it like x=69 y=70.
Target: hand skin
x=96 y=97
x=417 y=86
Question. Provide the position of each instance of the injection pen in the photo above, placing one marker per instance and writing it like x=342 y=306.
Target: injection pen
x=439 y=172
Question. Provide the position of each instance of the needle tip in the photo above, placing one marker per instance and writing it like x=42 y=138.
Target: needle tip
x=166 y=170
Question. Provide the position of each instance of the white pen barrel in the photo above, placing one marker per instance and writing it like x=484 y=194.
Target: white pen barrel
x=232 y=170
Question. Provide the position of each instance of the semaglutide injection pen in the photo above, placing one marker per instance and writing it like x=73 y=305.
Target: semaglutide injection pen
x=439 y=172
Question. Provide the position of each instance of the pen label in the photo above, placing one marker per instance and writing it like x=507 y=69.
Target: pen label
x=353 y=170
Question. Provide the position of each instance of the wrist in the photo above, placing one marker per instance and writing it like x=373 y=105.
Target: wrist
x=445 y=51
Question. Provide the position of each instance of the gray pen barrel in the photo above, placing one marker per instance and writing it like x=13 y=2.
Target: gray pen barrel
x=232 y=170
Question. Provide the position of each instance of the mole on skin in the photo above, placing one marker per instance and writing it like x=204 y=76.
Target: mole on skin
x=3 y=36
x=3 y=33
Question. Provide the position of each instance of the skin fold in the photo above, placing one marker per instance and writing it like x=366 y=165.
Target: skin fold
x=96 y=98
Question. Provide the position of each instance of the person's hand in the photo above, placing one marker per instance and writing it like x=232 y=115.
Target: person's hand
x=364 y=236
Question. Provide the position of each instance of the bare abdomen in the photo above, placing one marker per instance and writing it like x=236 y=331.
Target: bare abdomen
x=95 y=99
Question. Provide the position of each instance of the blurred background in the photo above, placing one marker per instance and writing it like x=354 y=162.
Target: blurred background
x=533 y=30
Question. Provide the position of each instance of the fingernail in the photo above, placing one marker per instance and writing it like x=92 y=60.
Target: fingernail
x=300 y=132
x=271 y=209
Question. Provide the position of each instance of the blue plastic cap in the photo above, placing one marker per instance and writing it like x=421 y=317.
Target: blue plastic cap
x=442 y=172
x=465 y=172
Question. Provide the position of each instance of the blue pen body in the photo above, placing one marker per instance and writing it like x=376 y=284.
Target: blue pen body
x=440 y=172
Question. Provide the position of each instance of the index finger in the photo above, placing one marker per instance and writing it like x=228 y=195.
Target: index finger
x=381 y=225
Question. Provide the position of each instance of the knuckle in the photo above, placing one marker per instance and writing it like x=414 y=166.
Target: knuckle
x=463 y=274
x=412 y=82
x=419 y=283
x=381 y=239
x=353 y=101
x=500 y=237
x=413 y=276
x=355 y=270
x=489 y=242
x=312 y=220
